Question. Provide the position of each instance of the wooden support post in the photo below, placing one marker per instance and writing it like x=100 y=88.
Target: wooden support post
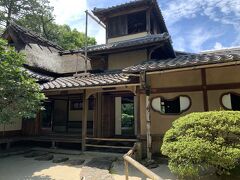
x=126 y=169
x=145 y=85
x=84 y=120
x=148 y=21
x=204 y=85
x=148 y=121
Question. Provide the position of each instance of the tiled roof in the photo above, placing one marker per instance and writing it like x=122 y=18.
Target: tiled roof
x=26 y=35
x=146 y=40
x=92 y=80
x=122 y=6
x=39 y=76
x=183 y=61
x=222 y=51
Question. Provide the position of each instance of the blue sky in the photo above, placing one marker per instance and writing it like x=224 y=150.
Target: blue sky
x=194 y=25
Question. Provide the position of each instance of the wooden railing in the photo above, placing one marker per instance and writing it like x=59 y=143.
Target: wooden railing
x=129 y=160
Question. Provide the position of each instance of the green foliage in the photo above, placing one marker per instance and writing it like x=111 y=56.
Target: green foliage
x=37 y=15
x=20 y=95
x=69 y=38
x=15 y=9
x=199 y=142
x=127 y=114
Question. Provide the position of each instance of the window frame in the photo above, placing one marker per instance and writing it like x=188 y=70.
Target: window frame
x=221 y=103
x=172 y=99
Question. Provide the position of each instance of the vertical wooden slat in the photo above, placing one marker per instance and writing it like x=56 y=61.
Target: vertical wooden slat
x=84 y=120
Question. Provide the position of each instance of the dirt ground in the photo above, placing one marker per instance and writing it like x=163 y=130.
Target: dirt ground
x=18 y=167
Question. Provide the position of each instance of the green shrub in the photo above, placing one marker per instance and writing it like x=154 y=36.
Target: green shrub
x=200 y=142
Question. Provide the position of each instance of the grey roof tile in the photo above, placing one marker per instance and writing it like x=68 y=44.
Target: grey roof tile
x=104 y=79
x=149 y=39
x=39 y=76
x=183 y=61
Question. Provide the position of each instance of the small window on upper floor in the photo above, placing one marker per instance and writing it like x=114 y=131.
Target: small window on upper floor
x=231 y=101
x=171 y=106
x=117 y=26
x=126 y=24
x=136 y=22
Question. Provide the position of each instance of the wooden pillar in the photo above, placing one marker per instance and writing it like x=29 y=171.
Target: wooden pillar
x=95 y=116
x=145 y=85
x=84 y=120
x=138 y=114
x=37 y=123
x=148 y=124
x=204 y=86
x=148 y=21
x=99 y=115
x=67 y=114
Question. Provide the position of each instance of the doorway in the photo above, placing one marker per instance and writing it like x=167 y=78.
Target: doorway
x=125 y=116
x=46 y=117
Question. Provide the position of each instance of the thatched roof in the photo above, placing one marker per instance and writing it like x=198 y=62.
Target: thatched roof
x=49 y=59
x=42 y=53
x=28 y=36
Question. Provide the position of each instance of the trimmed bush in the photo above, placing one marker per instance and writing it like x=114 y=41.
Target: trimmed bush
x=203 y=142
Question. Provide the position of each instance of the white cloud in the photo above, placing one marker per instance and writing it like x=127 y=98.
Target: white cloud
x=179 y=9
x=218 y=45
x=72 y=13
x=195 y=39
x=221 y=11
x=68 y=10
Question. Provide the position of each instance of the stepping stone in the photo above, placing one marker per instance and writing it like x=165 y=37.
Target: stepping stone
x=89 y=173
x=75 y=162
x=35 y=154
x=60 y=159
x=46 y=157
x=101 y=163
x=151 y=164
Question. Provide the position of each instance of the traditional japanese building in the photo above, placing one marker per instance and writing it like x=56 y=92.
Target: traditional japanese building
x=136 y=85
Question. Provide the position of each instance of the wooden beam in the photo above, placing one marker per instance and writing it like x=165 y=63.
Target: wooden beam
x=208 y=87
x=111 y=139
x=84 y=120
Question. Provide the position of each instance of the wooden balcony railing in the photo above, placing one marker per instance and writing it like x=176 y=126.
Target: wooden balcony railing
x=128 y=159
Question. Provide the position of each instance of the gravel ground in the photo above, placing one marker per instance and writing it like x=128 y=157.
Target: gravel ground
x=17 y=167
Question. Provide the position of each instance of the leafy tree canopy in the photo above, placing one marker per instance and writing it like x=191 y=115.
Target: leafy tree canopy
x=20 y=95
x=37 y=15
x=203 y=142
